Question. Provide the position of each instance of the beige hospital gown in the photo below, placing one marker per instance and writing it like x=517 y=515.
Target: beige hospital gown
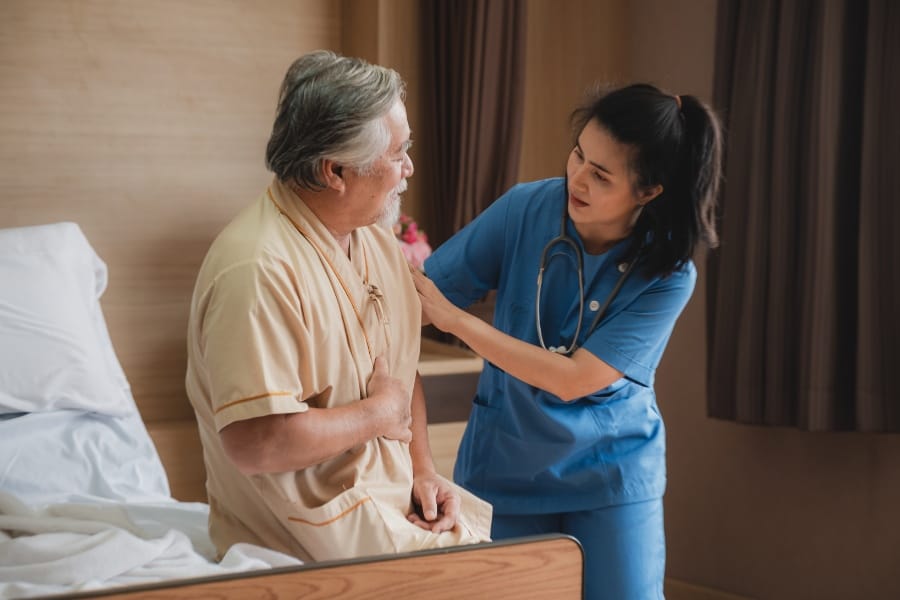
x=281 y=320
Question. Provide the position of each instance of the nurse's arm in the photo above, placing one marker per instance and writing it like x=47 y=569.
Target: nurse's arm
x=567 y=377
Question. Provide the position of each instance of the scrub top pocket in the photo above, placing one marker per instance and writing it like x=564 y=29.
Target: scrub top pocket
x=476 y=446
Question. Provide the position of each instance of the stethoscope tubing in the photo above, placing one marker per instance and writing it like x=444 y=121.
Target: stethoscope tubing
x=564 y=238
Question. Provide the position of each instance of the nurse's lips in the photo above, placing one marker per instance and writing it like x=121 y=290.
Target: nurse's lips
x=576 y=202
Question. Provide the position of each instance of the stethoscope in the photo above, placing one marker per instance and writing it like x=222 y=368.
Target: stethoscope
x=566 y=240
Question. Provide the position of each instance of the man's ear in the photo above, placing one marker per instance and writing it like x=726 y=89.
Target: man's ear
x=333 y=174
x=648 y=194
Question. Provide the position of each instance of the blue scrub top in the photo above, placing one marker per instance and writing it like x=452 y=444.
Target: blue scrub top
x=524 y=450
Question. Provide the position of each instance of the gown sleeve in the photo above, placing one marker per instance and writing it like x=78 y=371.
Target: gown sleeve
x=253 y=337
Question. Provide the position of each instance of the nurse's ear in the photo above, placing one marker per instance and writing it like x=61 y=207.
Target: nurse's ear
x=647 y=195
x=333 y=175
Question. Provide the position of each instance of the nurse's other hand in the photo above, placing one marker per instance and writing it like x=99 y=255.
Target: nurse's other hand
x=391 y=403
x=436 y=309
x=436 y=502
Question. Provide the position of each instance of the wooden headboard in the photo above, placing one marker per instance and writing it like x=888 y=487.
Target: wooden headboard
x=146 y=124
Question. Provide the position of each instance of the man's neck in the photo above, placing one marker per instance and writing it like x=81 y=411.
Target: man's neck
x=321 y=204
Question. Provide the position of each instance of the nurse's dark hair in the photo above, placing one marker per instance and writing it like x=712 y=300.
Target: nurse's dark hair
x=676 y=142
x=330 y=108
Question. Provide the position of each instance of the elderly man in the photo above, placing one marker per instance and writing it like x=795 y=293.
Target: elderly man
x=303 y=340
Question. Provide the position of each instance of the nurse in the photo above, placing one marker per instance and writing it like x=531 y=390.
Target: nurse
x=591 y=273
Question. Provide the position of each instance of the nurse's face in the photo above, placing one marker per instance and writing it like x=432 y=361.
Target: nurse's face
x=376 y=192
x=604 y=201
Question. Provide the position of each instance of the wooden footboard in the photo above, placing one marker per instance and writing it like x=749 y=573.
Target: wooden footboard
x=549 y=566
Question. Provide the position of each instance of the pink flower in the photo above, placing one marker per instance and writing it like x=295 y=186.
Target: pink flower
x=413 y=241
x=416 y=253
x=411 y=235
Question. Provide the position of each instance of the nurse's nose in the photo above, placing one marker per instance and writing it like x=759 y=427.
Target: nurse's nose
x=579 y=177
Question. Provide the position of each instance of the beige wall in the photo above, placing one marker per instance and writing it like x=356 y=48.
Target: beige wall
x=570 y=44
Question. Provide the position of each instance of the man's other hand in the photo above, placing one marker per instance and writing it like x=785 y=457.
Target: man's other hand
x=394 y=402
x=436 y=502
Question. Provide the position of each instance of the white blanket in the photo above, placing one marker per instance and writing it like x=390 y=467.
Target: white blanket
x=75 y=547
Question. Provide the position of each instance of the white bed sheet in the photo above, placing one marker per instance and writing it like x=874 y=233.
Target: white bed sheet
x=85 y=505
x=77 y=546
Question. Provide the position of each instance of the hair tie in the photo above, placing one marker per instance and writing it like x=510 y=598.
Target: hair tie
x=678 y=101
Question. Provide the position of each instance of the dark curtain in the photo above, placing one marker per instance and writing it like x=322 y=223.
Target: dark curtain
x=804 y=290
x=475 y=55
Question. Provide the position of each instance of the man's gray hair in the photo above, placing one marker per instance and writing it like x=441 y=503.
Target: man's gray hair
x=330 y=108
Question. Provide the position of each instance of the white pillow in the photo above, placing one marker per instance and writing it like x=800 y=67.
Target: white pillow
x=55 y=351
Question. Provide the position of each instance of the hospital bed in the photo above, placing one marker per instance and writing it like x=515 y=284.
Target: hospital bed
x=86 y=487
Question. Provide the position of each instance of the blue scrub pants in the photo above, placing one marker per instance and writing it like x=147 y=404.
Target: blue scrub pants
x=624 y=546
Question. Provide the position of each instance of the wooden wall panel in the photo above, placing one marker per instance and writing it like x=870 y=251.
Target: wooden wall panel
x=146 y=123
x=570 y=45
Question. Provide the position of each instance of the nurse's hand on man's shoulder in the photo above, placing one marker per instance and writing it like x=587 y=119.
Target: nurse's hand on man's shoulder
x=388 y=403
x=436 y=309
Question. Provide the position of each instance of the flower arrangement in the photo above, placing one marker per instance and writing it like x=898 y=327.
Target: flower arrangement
x=413 y=241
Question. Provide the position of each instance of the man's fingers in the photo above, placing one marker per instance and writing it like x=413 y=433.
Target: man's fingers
x=418 y=522
x=450 y=506
x=445 y=523
x=429 y=505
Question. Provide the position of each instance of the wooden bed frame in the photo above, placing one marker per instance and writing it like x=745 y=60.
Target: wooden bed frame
x=548 y=566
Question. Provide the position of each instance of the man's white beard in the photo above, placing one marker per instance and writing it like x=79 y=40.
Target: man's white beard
x=390 y=214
